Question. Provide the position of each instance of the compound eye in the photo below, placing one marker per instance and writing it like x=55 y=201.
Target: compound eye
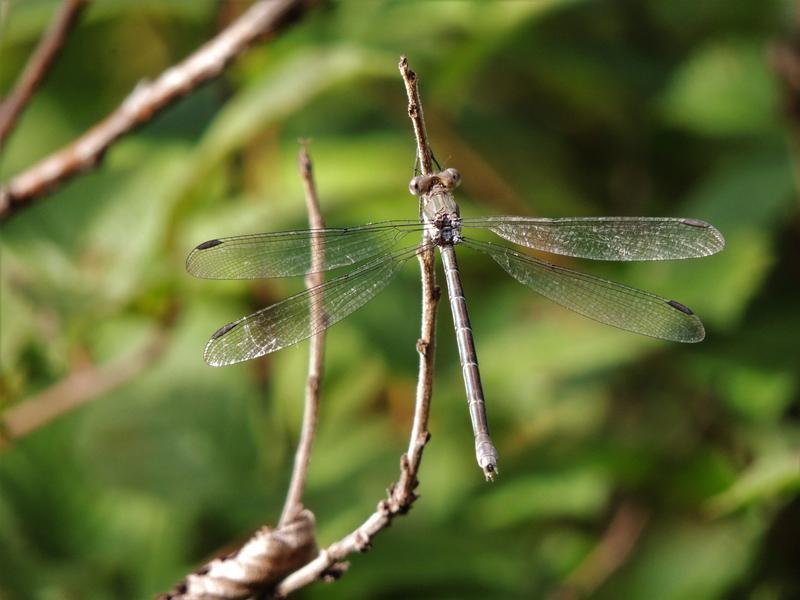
x=453 y=176
x=414 y=187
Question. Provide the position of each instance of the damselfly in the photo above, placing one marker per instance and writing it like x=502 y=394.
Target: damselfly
x=372 y=250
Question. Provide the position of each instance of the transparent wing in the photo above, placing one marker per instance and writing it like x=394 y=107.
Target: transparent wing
x=608 y=238
x=604 y=301
x=289 y=321
x=288 y=253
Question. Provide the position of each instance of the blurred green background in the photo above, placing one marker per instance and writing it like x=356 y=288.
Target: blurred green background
x=630 y=467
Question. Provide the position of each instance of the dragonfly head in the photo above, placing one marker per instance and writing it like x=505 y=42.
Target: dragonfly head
x=419 y=185
x=450 y=178
x=423 y=184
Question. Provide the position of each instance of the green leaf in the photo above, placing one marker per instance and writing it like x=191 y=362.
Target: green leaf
x=578 y=493
x=283 y=90
x=686 y=560
x=723 y=89
x=774 y=475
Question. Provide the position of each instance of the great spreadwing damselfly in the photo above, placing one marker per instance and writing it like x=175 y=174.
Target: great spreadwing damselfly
x=373 y=250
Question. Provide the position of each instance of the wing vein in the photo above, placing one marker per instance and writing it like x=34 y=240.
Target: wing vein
x=287 y=322
x=599 y=299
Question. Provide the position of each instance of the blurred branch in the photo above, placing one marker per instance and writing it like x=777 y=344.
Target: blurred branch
x=608 y=555
x=784 y=58
x=77 y=389
x=401 y=495
x=38 y=65
x=147 y=100
x=484 y=181
x=316 y=351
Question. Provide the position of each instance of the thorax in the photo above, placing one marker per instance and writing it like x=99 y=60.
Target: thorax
x=442 y=216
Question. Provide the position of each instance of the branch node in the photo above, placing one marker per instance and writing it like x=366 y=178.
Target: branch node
x=362 y=541
x=335 y=571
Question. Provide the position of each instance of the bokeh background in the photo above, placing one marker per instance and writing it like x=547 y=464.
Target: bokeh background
x=631 y=468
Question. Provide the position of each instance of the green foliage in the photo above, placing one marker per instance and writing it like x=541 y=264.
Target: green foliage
x=559 y=107
x=725 y=89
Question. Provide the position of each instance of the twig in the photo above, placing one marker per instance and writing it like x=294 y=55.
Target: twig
x=417 y=118
x=402 y=494
x=38 y=65
x=315 y=277
x=272 y=553
x=328 y=563
x=426 y=348
x=268 y=554
x=77 y=389
x=146 y=100
x=430 y=291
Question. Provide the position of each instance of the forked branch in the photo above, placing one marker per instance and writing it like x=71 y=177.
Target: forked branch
x=271 y=551
x=401 y=495
x=77 y=389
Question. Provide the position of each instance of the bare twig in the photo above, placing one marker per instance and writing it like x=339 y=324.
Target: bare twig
x=38 y=65
x=270 y=551
x=426 y=348
x=402 y=494
x=328 y=563
x=315 y=277
x=417 y=118
x=77 y=389
x=430 y=291
x=146 y=100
